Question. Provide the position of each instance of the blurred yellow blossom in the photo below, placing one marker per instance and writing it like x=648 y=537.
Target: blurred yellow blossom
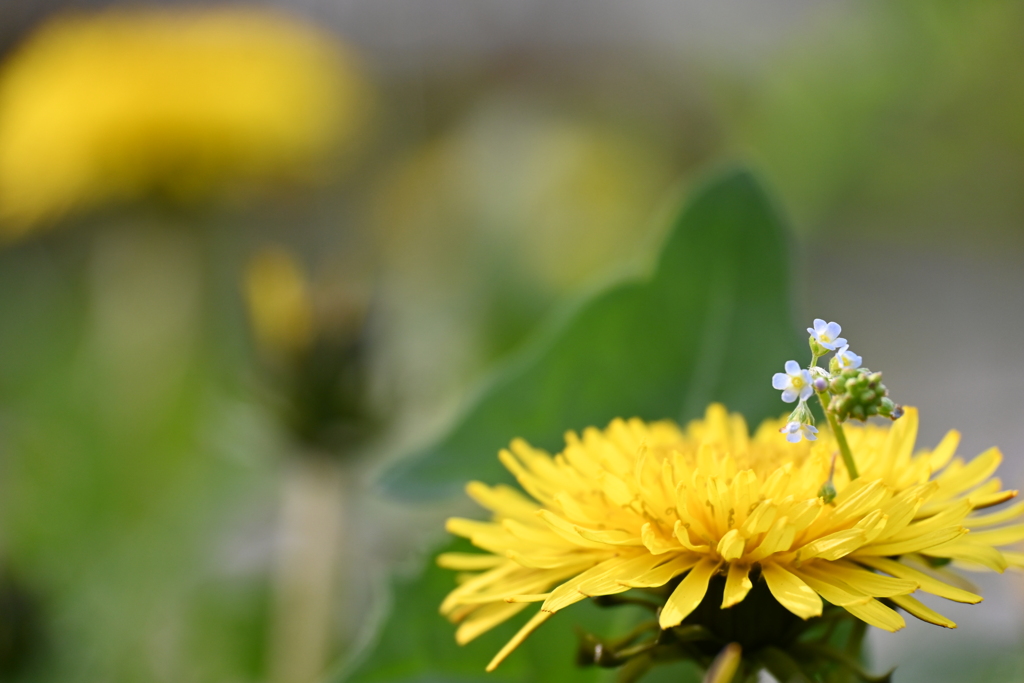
x=178 y=104
x=563 y=197
x=279 y=302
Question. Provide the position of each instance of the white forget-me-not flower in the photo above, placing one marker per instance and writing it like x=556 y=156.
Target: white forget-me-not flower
x=847 y=359
x=795 y=431
x=827 y=334
x=795 y=382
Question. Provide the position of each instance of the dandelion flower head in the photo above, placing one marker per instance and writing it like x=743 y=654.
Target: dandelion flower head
x=126 y=103
x=644 y=505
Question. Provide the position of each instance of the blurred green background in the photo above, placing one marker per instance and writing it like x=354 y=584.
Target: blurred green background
x=419 y=185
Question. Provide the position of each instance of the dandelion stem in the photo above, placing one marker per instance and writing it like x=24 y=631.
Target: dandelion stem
x=837 y=431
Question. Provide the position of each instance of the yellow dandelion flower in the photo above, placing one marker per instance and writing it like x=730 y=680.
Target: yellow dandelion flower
x=648 y=504
x=280 y=304
x=127 y=103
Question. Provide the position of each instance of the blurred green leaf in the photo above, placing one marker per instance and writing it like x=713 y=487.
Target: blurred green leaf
x=712 y=324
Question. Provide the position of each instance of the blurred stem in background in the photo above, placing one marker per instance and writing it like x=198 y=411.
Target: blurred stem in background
x=146 y=284
x=306 y=569
x=314 y=357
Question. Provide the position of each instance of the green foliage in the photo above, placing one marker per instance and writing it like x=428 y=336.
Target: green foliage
x=113 y=491
x=710 y=325
x=896 y=119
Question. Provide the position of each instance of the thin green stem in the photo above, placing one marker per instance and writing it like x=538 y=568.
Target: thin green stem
x=634 y=650
x=641 y=629
x=837 y=429
x=844 y=446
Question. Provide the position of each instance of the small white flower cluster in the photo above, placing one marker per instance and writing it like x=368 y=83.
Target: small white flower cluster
x=827 y=336
x=797 y=429
x=799 y=384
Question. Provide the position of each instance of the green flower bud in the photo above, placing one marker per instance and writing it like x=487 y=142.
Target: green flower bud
x=827 y=492
x=887 y=408
x=859 y=394
x=816 y=348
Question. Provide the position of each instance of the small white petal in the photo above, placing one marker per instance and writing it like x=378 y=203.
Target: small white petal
x=819 y=325
x=847 y=358
x=789 y=395
x=792 y=367
x=780 y=380
x=794 y=437
x=805 y=392
x=833 y=330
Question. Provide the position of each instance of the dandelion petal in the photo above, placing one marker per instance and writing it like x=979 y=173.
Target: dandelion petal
x=791 y=592
x=688 y=594
x=737 y=584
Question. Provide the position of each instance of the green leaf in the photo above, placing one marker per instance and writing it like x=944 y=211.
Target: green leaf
x=712 y=323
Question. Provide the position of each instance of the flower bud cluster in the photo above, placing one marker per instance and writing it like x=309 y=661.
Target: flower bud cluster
x=859 y=393
x=846 y=390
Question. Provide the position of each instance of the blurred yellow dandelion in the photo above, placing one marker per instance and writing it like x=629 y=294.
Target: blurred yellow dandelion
x=177 y=103
x=279 y=302
x=642 y=504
